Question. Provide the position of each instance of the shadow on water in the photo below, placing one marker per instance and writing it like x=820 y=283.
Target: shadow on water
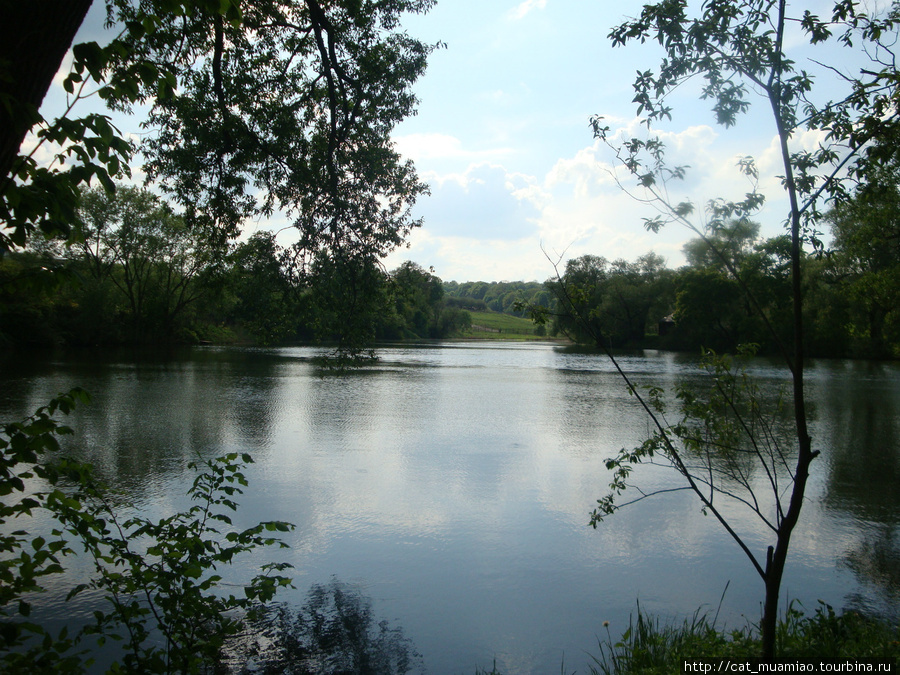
x=333 y=633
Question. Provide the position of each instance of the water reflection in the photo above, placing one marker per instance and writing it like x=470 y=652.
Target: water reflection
x=455 y=482
x=863 y=476
x=863 y=454
x=875 y=560
x=154 y=412
x=333 y=633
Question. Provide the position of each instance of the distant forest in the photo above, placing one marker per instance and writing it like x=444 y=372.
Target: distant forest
x=851 y=303
x=137 y=275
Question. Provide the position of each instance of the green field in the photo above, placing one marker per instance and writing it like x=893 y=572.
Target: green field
x=497 y=326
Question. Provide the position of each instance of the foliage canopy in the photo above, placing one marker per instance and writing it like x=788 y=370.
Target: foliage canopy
x=255 y=107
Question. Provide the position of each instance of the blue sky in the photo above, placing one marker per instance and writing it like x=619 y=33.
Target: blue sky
x=502 y=137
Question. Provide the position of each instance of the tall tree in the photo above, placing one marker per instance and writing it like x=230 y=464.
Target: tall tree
x=719 y=309
x=35 y=197
x=740 y=49
x=255 y=107
x=418 y=300
x=34 y=38
x=135 y=241
x=262 y=298
x=290 y=109
x=866 y=232
x=606 y=303
x=733 y=242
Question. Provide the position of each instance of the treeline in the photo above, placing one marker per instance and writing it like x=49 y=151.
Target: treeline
x=135 y=274
x=736 y=290
x=509 y=297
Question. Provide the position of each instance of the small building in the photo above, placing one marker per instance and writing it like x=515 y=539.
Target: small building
x=666 y=325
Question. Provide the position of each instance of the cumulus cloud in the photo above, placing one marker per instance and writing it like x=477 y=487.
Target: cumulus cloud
x=491 y=223
x=588 y=172
x=483 y=203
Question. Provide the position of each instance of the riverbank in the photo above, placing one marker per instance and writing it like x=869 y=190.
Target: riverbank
x=650 y=647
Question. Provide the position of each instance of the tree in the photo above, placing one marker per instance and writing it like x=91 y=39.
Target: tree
x=33 y=42
x=296 y=100
x=453 y=320
x=577 y=294
x=713 y=307
x=418 y=300
x=734 y=240
x=708 y=311
x=347 y=296
x=866 y=231
x=739 y=49
x=608 y=304
x=135 y=241
x=255 y=107
x=261 y=296
x=33 y=286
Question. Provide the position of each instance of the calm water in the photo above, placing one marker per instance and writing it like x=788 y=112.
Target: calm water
x=450 y=485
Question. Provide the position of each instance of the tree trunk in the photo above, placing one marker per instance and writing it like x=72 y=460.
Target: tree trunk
x=34 y=38
x=777 y=555
x=769 y=622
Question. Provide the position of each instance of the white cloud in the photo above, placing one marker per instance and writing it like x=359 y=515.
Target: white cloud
x=43 y=153
x=586 y=172
x=431 y=146
x=490 y=223
x=522 y=10
x=483 y=203
x=64 y=68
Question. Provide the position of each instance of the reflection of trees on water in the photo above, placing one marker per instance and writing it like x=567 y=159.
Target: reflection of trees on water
x=876 y=562
x=863 y=474
x=333 y=633
x=864 y=470
x=153 y=412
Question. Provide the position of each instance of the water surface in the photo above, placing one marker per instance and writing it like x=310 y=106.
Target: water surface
x=451 y=485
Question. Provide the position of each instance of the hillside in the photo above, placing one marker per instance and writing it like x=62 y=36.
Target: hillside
x=498 y=326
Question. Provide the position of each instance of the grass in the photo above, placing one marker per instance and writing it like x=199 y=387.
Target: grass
x=649 y=647
x=498 y=326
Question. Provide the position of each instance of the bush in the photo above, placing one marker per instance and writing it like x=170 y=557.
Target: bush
x=163 y=601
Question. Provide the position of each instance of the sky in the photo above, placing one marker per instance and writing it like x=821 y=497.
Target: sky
x=502 y=136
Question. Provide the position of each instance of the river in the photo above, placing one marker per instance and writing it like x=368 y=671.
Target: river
x=450 y=485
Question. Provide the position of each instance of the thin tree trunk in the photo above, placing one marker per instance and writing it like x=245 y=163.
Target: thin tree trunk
x=777 y=555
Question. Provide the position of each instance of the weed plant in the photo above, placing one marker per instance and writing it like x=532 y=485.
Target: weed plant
x=649 y=647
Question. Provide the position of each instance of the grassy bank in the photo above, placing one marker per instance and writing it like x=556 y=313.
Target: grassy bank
x=649 y=647
x=498 y=326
